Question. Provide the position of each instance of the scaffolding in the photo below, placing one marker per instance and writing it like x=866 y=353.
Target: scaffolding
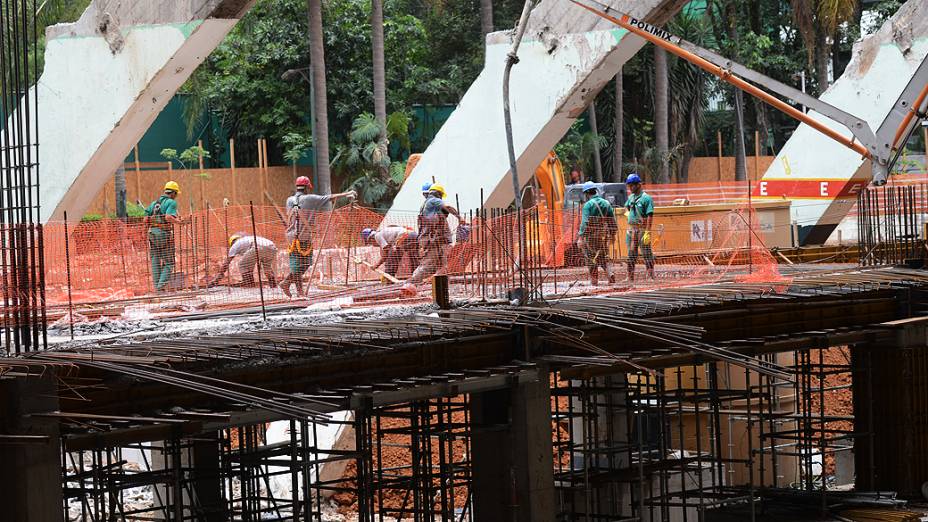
x=676 y=443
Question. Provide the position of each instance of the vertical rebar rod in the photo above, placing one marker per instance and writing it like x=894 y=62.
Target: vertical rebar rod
x=254 y=232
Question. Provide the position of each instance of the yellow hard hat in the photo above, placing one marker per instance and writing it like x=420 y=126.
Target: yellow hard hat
x=233 y=238
x=437 y=188
x=173 y=186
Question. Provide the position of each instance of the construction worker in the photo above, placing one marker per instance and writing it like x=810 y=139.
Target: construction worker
x=639 y=208
x=434 y=233
x=300 y=207
x=597 y=232
x=161 y=216
x=396 y=243
x=250 y=250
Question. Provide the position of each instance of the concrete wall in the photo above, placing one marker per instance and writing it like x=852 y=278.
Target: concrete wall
x=821 y=176
x=566 y=58
x=106 y=78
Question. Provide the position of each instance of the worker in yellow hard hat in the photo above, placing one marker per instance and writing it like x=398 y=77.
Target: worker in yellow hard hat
x=161 y=216
x=434 y=233
x=250 y=250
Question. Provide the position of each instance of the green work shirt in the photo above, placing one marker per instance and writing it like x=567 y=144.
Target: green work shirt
x=596 y=207
x=161 y=207
x=639 y=206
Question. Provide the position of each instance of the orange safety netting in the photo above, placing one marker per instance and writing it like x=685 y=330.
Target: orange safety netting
x=103 y=268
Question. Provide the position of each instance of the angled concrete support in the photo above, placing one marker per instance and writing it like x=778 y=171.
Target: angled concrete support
x=106 y=78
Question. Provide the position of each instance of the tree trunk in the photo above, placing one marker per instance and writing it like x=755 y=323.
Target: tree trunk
x=685 y=165
x=486 y=17
x=380 y=87
x=740 y=159
x=740 y=154
x=617 y=159
x=120 y=186
x=822 y=55
x=597 y=161
x=320 y=103
x=661 y=113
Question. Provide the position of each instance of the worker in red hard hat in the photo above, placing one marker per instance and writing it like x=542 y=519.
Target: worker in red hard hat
x=301 y=207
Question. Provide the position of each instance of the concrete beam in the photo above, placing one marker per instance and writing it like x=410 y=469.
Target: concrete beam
x=106 y=78
x=567 y=56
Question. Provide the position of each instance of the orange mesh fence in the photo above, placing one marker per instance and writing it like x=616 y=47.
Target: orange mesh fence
x=102 y=269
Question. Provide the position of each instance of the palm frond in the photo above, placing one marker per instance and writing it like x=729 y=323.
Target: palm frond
x=365 y=128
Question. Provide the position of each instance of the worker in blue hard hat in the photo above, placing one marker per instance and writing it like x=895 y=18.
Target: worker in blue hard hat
x=396 y=244
x=597 y=232
x=639 y=208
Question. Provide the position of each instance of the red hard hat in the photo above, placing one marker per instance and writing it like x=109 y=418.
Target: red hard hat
x=303 y=181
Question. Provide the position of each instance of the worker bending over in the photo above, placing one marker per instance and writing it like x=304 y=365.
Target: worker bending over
x=161 y=216
x=434 y=234
x=597 y=232
x=640 y=209
x=300 y=208
x=396 y=243
x=250 y=250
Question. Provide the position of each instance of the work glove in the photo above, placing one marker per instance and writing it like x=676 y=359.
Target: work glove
x=646 y=238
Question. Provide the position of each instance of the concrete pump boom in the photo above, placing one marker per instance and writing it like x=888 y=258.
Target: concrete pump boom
x=881 y=148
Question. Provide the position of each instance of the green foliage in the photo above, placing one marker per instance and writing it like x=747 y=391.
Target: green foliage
x=134 y=210
x=295 y=145
x=187 y=158
x=364 y=161
x=577 y=148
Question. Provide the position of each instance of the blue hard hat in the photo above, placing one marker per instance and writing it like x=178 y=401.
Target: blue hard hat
x=590 y=186
x=633 y=178
x=366 y=233
x=426 y=186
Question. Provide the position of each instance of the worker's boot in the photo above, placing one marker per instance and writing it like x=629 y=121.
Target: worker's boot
x=611 y=278
x=298 y=281
x=285 y=286
x=594 y=277
x=630 y=278
x=651 y=274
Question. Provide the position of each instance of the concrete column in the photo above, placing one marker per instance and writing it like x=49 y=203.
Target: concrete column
x=513 y=476
x=207 y=481
x=30 y=484
x=890 y=385
x=200 y=468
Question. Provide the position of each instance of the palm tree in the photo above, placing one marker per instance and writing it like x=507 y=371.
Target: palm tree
x=661 y=113
x=819 y=20
x=486 y=17
x=689 y=85
x=619 y=122
x=594 y=128
x=380 y=87
x=120 y=190
x=320 y=101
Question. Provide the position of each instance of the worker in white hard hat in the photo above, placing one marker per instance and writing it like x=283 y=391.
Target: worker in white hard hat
x=597 y=231
x=434 y=233
x=250 y=250
x=161 y=216
x=396 y=244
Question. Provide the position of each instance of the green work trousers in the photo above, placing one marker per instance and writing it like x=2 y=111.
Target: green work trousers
x=161 y=248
